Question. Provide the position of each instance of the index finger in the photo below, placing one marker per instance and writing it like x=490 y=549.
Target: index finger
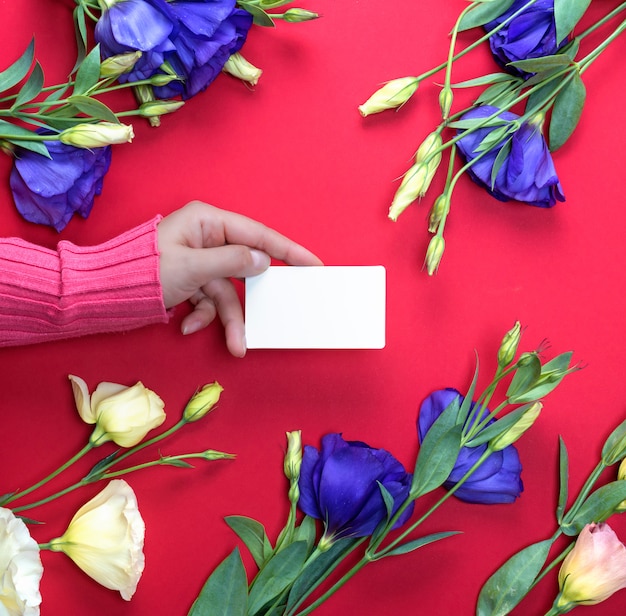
x=239 y=229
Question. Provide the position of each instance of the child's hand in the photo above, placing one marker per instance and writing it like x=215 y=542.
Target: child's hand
x=201 y=247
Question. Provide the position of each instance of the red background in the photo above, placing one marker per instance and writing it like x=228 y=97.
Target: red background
x=294 y=153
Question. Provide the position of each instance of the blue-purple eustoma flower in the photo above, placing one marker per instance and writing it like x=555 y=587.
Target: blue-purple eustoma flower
x=527 y=173
x=339 y=485
x=532 y=34
x=497 y=479
x=49 y=191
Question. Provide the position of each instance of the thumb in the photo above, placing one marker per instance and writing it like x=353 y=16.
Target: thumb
x=230 y=261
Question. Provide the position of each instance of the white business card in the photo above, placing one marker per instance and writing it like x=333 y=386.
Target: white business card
x=325 y=307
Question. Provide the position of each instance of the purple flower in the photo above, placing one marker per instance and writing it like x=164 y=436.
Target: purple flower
x=194 y=37
x=208 y=33
x=49 y=191
x=532 y=34
x=339 y=485
x=137 y=25
x=527 y=173
x=497 y=479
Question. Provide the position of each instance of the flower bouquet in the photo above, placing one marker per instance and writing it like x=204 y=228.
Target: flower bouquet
x=499 y=139
x=166 y=52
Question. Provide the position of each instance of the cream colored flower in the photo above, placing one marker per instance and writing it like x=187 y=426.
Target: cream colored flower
x=594 y=569
x=105 y=539
x=122 y=414
x=392 y=95
x=97 y=135
x=239 y=67
x=20 y=568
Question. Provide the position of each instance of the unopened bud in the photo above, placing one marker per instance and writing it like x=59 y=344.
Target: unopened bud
x=114 y=66
x=392 y=95
x=202 y=402
x=293 y=457
x=508 y=347
x=409 y=190
x=438 y=211
x=239 y=67
x=163 y=79
x=508 y=437
x=445 y=101
x=159 y=107
x=434 y=252
x=428 y=147
x=296 y=15
x=97 y=135
x=621 y=476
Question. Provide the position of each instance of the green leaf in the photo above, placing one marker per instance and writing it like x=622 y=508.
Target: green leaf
x=80 y=30
x=259 y=16
x=88 y=72
x=503 y=154
x=276 y=576
x=510 y=583
x=563 y=480
x=567 y=14
x=411 y=546
x=542 y=94
x=473 y=123
x=225 y=593
x=19 y=69
x=252 y=533
x=437 y=456
x=499 y=94
x=93 y=108
x=614 y=448
x=306 y=532
x=544 y=63
x=318 y=569
x=466 y=405
x=55 y=95
x=598 y=507
x=12 y=133
x=484 y=80
x=494 y=138
x=31 y=88
x=483 y=13
x=498 y=427
x=99 y=466
x=552 y=373
x=524 y=378
x=566 y=111
x=177 y=463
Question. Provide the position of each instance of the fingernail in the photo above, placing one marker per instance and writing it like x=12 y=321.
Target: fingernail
x=244 y=346
x=190 y=328
x=260 y=260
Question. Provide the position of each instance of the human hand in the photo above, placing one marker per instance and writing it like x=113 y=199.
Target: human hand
x=201 y=247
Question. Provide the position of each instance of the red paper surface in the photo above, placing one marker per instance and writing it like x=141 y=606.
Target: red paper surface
x=294 y=153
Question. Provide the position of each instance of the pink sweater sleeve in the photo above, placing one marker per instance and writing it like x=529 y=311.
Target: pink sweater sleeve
x=73 y=291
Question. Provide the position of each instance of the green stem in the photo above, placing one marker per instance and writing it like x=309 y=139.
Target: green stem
x=586 y=62
x=51 y=476
x=601 y=22
x=586 y=489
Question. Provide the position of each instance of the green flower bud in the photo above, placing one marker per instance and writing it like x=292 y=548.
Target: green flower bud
x=296 y=15
x=97 y=135
x=621 y=476
x=508 y=437
x=437 y=212
x=392 y=95
x=434 y=253
x=293 y=457
x=114 y=66
x=428 y=147
x=202 y=402
x=239 y=67
x=508 y=348
x=163 y=79
x=445 y=101
x=410 y=189
x=159 y=107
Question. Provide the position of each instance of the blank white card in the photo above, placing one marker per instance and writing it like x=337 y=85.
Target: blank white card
x=326 y=307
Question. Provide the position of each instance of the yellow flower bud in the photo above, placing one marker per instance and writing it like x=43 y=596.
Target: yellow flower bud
x=434 y=252
x=428 y=147
x=296 y=15
x=97 y=135
x=508 y=437
x=438 y=211
x=122 y=414
x=239 y=67
x=392 y=95
x=158 y=108
x=508 y=347
x=105 y=539
x=293 y=457
x=621 y=476
x=410 y=189
x=202 y=402
x=114 y=66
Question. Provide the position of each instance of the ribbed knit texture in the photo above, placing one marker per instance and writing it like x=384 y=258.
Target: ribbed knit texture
x=73 y=291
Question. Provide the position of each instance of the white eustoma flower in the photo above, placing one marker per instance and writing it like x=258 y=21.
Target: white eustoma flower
x=20 y=568
x=105 y=539
x=122 y=414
